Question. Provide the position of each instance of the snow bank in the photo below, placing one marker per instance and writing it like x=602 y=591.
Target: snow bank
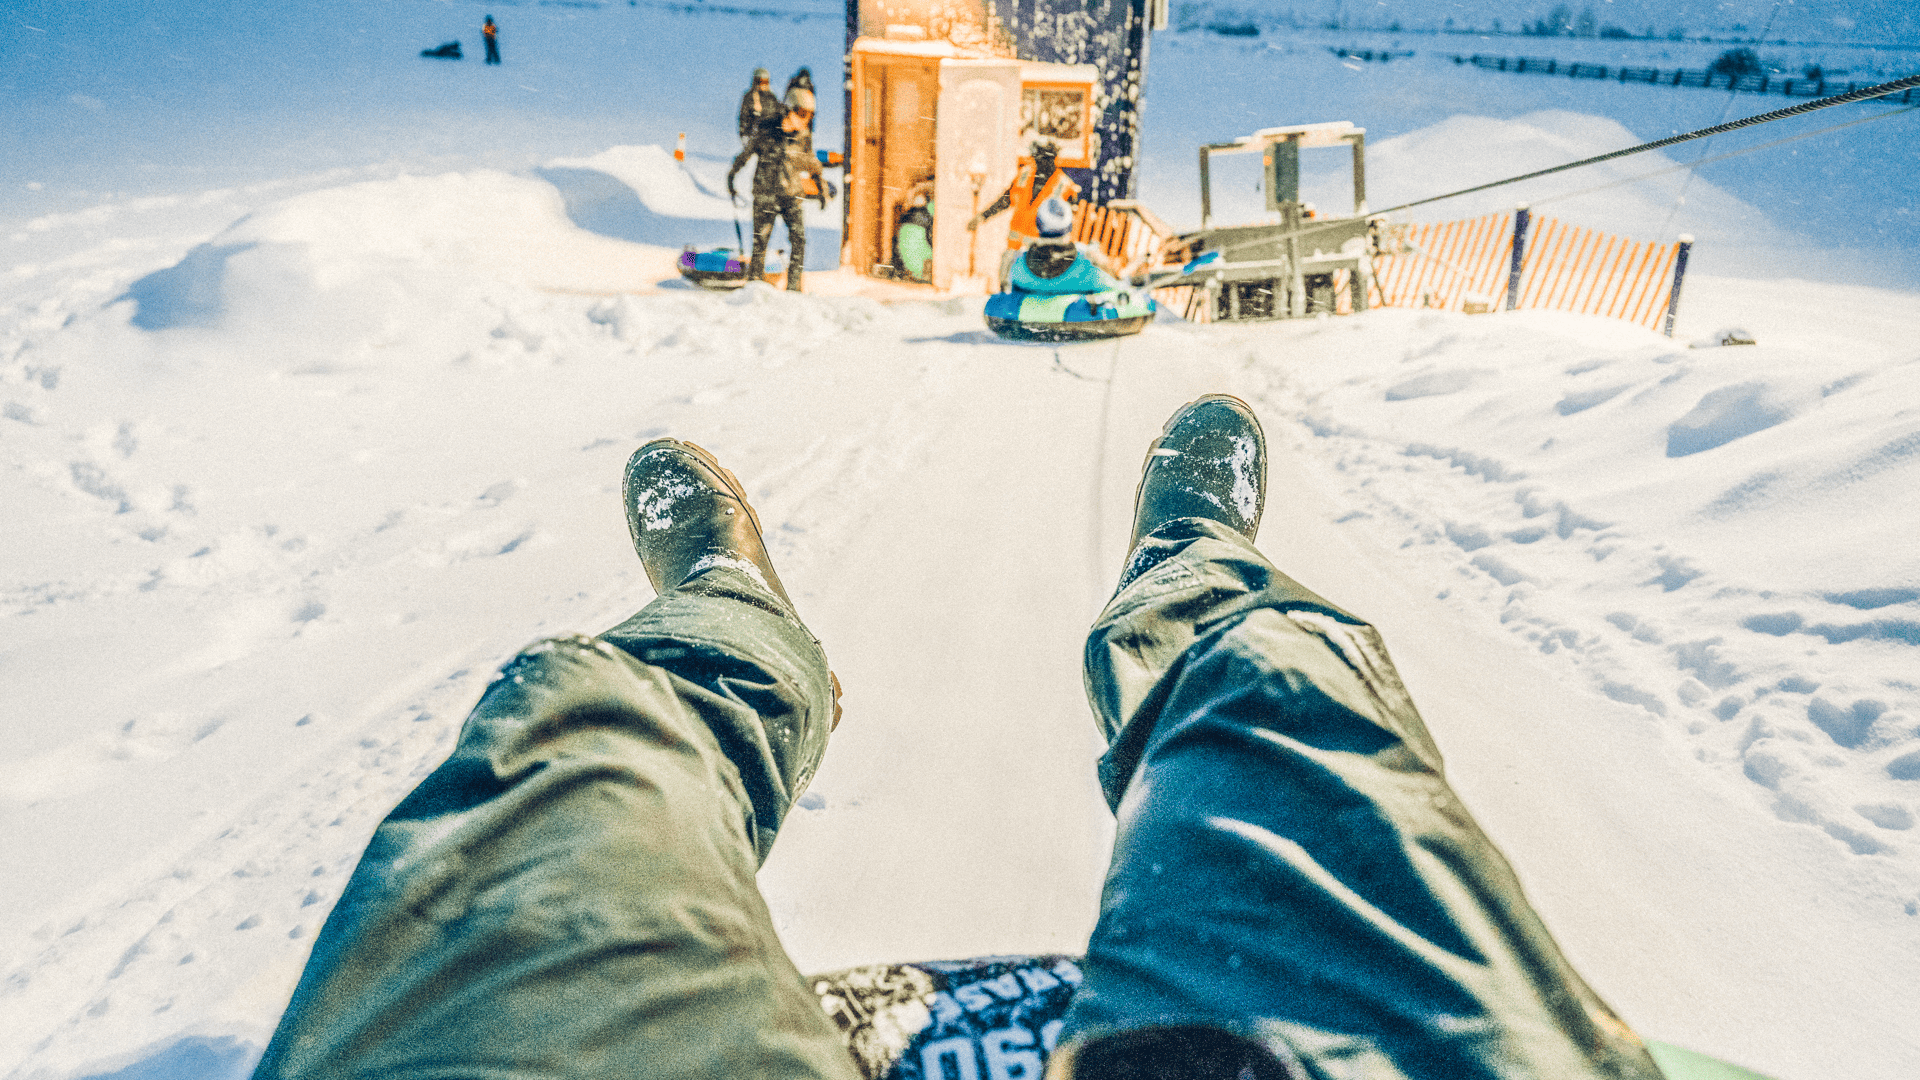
x=1707 y=534
x=659 y=181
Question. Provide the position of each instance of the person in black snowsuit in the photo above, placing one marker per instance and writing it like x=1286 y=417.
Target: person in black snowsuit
x=803 y=79
x=759 y=109
x=1295 y=890
x=490 y=33
x=782 y=174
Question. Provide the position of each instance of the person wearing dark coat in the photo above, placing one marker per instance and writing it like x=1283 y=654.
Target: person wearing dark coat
x=490 y=33
x=781 y=178
x=802 y=80
x=759 y=109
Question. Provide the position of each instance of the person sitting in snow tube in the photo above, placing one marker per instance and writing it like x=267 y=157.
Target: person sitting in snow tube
x=1063 y=291
x=913 y=240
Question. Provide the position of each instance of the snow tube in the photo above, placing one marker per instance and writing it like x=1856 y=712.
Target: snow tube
x=1029 y=316
x=906 y=1020
x=721 y=268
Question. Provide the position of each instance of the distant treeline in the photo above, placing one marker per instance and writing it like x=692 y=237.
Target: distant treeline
x=1732 y=71
x=1251 y=18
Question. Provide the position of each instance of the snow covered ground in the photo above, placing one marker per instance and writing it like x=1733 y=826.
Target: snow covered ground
x=308 y=426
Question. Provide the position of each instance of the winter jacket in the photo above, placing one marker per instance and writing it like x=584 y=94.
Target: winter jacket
x=783 y=165
x=759 y=110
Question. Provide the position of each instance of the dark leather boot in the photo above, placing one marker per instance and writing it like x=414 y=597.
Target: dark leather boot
x=687 y=514
x=1210 y=461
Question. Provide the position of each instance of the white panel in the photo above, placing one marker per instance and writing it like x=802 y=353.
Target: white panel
x=979 y=119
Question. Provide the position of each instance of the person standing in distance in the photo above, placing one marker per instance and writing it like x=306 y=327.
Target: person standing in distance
x=490 y=33
x=781 y=179
x=759 y=109
x=802 y=80
x=1037 y=181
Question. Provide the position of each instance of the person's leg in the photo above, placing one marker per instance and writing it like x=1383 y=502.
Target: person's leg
x=765 y=210
x=796 y=241
x=1291 y=869
x=572 y=892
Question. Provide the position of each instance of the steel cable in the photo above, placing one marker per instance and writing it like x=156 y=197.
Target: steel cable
x=1862 y=94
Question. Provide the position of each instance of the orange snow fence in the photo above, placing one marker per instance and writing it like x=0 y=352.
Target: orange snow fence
x=1457 y=265
x=1448 y=265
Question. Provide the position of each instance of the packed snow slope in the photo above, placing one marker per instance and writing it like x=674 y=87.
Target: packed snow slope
x=294 y=457
x=1657 y=602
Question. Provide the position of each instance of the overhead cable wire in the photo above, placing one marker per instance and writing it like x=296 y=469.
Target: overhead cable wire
x=1722 y=157
x=1865 y=93
x=1862 y=94
x=1733 y=92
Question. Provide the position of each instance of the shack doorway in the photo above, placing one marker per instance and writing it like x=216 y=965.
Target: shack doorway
x=895 y=105
x=927 y=122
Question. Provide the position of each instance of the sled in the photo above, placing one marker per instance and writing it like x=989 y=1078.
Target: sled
x=1027 y=316
x=1001 y=1016
x=721 y=269
x=448 y=50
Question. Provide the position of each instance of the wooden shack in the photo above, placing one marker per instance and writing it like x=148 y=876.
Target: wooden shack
x=946 y=97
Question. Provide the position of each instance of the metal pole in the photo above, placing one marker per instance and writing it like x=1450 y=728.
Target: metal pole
x=1206 y=191
x=1520 y=218
x=1359 y=144
x=973 y=242
x=1679 y=272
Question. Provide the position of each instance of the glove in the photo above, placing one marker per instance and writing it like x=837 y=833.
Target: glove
x=732 y=194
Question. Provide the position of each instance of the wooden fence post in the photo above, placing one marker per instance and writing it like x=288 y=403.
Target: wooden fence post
x=1679 y=272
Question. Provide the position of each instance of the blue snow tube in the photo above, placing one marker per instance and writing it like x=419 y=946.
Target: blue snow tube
x=1082 y=303
x=721 y=268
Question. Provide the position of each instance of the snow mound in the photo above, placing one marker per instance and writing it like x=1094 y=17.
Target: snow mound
x=1463 y=151
x=1729 y=413
x=663 y=184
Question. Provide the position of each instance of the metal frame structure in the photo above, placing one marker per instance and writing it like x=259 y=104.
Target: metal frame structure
x=1286 y=269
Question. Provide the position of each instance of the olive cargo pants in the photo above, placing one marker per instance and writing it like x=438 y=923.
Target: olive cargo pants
x=572 y=893
x=1290 y=864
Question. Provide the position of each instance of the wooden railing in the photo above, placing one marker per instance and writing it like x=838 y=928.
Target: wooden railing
x=1127 y=231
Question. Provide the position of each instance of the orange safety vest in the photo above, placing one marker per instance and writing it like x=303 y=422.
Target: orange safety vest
x=1026 y=204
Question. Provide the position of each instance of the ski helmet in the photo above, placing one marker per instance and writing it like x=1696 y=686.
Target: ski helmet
x=1054 y=218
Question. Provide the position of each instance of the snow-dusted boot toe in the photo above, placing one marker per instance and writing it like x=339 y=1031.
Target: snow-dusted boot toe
x=688 y=515
x=1210 y=461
